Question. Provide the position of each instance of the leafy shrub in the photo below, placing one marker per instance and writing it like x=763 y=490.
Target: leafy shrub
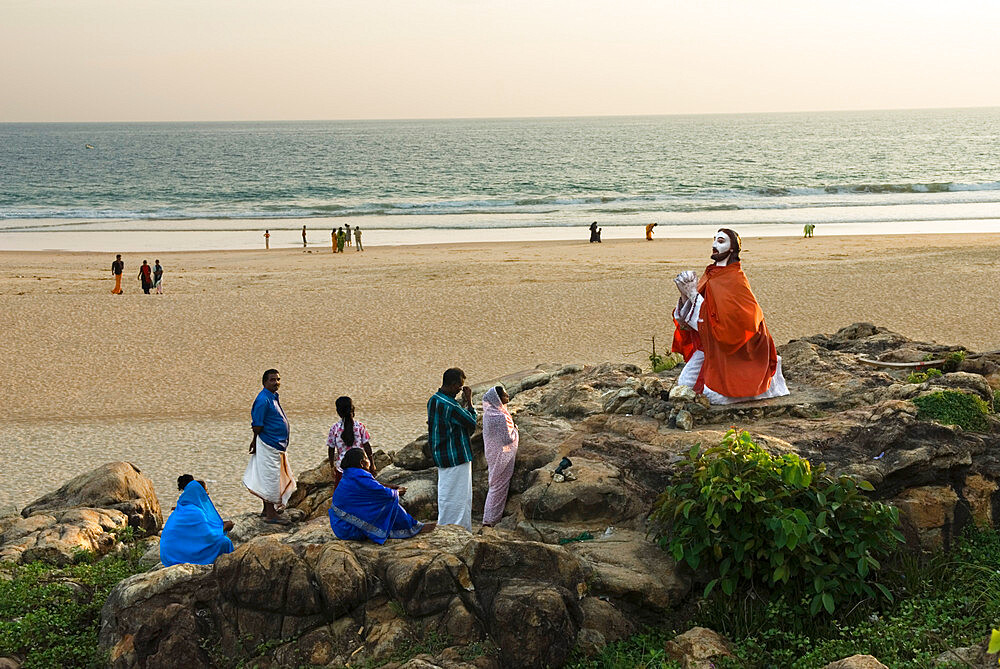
x=953 y=361
x=754 y=520
x=50 y=615
x=920 y=377
x=952 y=407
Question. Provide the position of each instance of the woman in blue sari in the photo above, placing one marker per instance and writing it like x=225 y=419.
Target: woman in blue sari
x=194 y=533
x=364 y=508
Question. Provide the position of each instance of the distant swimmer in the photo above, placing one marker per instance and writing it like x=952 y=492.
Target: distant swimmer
x=649 y=232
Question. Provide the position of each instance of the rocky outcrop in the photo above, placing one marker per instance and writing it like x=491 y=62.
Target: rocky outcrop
x=570 y=564
x=87 y=516
x=278 y=601
x=696 y=648
x=857 y=662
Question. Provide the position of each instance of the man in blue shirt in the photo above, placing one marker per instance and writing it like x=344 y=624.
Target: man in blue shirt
x=268 y=475
x=449 y=426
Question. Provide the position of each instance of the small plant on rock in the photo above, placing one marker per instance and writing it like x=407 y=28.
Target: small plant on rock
x=952 y=407
x=749 y=519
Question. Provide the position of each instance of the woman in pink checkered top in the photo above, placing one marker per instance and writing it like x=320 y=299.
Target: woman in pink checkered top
x=346 y=434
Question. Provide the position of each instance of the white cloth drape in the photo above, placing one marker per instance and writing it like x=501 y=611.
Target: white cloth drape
x=455 y=495
x=269 y=476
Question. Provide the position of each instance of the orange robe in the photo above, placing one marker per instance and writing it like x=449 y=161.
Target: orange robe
x=740 y=359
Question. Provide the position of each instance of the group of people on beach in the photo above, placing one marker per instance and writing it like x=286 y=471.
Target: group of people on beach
x=149 y=277
x=361 y=507
x=339 y=238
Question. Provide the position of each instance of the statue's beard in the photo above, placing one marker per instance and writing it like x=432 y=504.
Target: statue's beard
x=719 y=257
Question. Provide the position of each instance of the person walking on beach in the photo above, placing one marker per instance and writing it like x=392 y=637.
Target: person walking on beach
x=357 y=237
x=500 y=446
x=145 y=277
x=267 y=240
x=341 y=239
x=303 y=236
x=333 y=240
x=348 y=231
x=346 y=434
x=807 y=231
x=595 y=233
x=649 y=232
x=117 y=267
x=268 y=475
x=449 y=426
x=158 y=277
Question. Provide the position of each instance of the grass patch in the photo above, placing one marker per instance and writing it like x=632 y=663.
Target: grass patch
x=952 y=407
x=50 y=615
x=946 y=600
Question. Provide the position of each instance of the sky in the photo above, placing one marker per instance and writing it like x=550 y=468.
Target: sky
x=217 y=60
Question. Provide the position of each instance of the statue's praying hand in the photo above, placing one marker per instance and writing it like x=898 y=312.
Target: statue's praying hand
x=687 y=284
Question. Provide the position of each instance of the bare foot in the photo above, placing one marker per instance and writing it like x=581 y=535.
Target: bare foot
x=428 y=527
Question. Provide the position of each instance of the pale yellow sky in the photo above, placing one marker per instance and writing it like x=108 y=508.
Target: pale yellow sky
x=170 y=60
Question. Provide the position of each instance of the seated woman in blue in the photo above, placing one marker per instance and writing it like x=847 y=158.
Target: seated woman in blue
x=364 y=508
x=194 y=533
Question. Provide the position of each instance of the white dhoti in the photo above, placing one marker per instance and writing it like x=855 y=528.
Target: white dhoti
x=455 y=495
x=268 y=475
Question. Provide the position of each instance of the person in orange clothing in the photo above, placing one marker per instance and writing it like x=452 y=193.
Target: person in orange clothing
x=117 y=267
x=649 y=232
x=720 y=331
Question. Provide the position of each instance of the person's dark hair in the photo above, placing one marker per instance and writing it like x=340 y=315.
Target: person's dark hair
x=119 y=255
x=183 y=480
x=263 y=379
x=452 y=376
x=345 y=407
x=500 y=390
x=352 y=458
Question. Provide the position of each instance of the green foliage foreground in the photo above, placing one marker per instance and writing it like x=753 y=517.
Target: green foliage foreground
x=50 y=616
x=749 y=520
x=942 y=601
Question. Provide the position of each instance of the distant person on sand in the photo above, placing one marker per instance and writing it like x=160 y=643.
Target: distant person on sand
x=649 y=232
x=268 y=475
x=145 y=276
x=158 y=277
x=117 y=267
x=807 y=231
x=357 y=237
x=500 y=441
x=333 y=240
x=195 y=532
x=341 y=238
x=449 y=426
x=595 y=233
x=267 y=239
x=303 y=236
x=346 y=434
x=362 y=508
x=348 y=231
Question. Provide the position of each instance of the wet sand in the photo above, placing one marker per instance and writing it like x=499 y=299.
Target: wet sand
x=166 y=381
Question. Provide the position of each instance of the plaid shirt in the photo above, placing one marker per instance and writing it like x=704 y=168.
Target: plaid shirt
x=449 y=427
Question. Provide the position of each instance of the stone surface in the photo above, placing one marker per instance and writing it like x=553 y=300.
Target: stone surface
x=117 y=485
x=696 y=648
x=857 y=662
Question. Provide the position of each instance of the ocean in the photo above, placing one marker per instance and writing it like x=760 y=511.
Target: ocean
x=173 y=186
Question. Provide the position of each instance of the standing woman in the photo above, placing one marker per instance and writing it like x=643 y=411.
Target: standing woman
x=500 y=441
x=145 y=277
x=346 y=434
x=158 y=278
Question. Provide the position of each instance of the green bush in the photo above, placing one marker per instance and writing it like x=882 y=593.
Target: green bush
x=952 y=407
x=752 y=520
x=920 y=377
x=953 y=361
x=50 y=615
x=662 y=363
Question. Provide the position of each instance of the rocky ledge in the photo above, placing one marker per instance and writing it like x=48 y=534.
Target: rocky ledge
x=521 y=595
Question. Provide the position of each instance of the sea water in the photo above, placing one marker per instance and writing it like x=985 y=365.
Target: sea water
x=145 y=186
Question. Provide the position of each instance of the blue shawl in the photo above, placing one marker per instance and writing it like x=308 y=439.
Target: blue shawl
x=193 y=532
x=364 y=508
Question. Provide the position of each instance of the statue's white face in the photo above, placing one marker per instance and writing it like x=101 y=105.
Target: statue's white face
x=721 y=245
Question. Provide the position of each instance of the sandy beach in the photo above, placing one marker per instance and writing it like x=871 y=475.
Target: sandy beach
x=166 y=381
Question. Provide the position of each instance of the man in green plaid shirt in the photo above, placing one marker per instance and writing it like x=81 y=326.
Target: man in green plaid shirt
x=449 y=426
